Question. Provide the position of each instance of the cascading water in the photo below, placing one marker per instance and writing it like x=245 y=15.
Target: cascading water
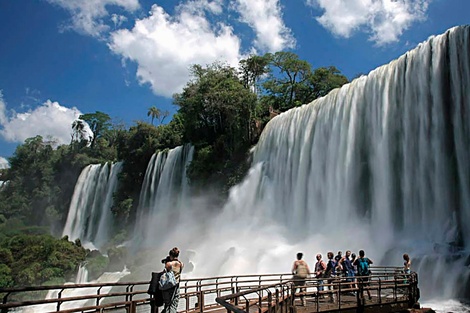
x=89 y=218
x=380 y=164
x=164 y=192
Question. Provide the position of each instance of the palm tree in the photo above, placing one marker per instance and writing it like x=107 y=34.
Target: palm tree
x=154 y=112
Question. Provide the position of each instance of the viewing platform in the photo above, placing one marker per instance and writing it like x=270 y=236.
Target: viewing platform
x=391 y=291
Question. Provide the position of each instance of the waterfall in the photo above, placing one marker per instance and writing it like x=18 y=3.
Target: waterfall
x=89 y=218
x=164 y=194
x=380 y=164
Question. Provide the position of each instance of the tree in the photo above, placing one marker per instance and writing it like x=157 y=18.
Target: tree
x=214 y=109
x=287 y=81
x=323 y=80
x=154 y=112
x=252 y=68
x=99 y=122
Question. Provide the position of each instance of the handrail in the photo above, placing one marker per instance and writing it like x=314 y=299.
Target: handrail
x=388 y=279
x=198 y=294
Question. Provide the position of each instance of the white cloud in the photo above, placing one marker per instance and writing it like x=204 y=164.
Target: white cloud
x=4 y=164
x=265 y=18
x=164 y=46
x=385 y=20
x=118 y=20
x=3 y=109
x=88 y=16
x=51 y=120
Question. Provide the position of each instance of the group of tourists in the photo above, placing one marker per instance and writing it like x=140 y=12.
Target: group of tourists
x=349 y=266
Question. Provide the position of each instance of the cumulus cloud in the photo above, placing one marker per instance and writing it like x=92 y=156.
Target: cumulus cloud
x=164 y=46
x=385 y=20
x=265 y=18
x=4 y=163
x=89 y=16
x=50 y=120
x=3 y=109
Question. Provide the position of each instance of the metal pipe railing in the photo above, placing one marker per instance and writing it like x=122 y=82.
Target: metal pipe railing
x=202 y=294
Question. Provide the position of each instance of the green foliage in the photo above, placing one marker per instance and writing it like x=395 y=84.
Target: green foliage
x=96 y=266
x=156 y=113
x=32 y=259
x=215 y=109
x=99 y=123
x=292 y=82
x=6 y=279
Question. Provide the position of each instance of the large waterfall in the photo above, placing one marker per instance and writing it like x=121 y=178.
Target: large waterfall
x=89 y=218
x=381 y=164
x=164 y=195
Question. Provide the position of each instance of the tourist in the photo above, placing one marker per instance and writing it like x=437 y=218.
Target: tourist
x=301 y=271
x=320 y=268
x=406 y=267
x=348 y=268
x=353 y=258
x=338 y=256
x=363 y=271
x=330 y=273
x=171 y=296
x=407 y=263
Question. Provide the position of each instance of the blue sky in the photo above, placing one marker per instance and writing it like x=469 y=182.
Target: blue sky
x=61 y=58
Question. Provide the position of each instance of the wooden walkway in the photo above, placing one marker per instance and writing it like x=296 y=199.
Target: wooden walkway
x=391 y=291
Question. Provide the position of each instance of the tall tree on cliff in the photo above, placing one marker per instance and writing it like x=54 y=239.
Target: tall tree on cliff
x=214 y=106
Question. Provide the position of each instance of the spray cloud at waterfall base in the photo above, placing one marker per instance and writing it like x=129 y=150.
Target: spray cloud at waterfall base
x=380 y=164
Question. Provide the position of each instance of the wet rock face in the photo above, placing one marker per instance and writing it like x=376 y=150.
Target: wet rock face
x=117 y=259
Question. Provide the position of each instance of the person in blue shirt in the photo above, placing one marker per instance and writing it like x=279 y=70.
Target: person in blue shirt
x=348 y=268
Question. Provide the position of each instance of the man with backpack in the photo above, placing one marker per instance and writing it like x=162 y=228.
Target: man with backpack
x=363 y=270
x=301 y=272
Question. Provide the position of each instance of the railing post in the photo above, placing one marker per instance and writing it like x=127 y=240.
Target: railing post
x=395 y=289
x=339 y=292
x=260 y=300
x=270 y=301
x=380 y=291
x=98 y=292
x=277 y=299
x=132 y=307
x=59 y=296
x=5 y=300
x=201 y=300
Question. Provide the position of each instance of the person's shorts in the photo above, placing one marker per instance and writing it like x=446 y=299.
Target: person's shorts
x=364 y=280
x=350 y=275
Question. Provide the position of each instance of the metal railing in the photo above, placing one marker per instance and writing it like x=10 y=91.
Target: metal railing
x=273 y=292
x=390 y=290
